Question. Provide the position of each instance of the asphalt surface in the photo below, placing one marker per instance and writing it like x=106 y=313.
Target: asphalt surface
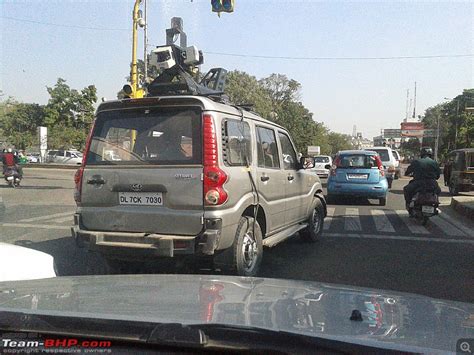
x=363 y=244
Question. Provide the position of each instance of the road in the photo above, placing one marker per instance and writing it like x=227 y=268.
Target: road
x=363 y=244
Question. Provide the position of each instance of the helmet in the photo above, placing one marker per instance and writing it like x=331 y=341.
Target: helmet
x=9 y=150
x=426 y=152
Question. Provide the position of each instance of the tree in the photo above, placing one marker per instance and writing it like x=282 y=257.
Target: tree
x=411 y=147
x=69 y=114
x=244 y=89
x=281 y=90
x=277 y=99
x=19 y=123
x=338 y=141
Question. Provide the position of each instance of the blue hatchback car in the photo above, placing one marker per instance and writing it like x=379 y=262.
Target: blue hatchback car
x=358 y=173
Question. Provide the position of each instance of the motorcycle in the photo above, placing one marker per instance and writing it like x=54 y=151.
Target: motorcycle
x=12 y=177
x=424 y=205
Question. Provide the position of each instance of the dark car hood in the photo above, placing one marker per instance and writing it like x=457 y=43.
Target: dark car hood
x=390 y=319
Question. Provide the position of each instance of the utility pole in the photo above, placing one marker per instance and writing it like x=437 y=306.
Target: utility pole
x=414 y=103
x=456 y=125
x=138 y=21
x=407 y=112
x=145 y=42
x=437 y=138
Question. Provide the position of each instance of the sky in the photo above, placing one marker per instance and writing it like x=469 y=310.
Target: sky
x=371 y=94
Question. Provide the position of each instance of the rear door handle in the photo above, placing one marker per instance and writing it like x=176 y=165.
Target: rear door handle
x=265 y=178
x=96 y=181
x=290 y=177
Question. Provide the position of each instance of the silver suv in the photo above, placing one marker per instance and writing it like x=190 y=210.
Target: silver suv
x=176 y=176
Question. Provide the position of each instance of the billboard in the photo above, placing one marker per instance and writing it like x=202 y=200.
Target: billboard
x=392 y=133
x=412 y=129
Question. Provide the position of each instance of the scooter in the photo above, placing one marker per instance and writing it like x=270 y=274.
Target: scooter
x=12 y=177
x=423 y=206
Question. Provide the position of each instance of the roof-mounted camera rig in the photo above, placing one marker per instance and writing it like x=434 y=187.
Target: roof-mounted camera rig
x=178 y=67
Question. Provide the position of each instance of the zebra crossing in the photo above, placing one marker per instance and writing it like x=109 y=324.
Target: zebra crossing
x=59 y=221
x=385 y=222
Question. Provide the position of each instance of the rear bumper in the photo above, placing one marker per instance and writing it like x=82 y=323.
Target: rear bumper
x=363 y=190
x=147 y=245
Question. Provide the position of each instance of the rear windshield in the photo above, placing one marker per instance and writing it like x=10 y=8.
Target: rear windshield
x=321 y=160
x=470 y=161
x=160 y=136
x=383 y=153
x=357 y=161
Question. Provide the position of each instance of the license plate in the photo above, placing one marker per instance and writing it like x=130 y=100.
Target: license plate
x=427 y=209
x=141 y=198
x=357 y=176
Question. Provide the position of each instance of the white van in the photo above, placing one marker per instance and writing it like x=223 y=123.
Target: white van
x=388 y=160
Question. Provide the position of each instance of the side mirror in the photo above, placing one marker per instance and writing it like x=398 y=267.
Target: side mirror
x=327 y=166
x=306 y=163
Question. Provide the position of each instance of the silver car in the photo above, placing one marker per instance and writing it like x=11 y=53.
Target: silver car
x=192 y=176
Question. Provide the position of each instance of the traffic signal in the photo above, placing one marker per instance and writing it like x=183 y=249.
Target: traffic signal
x=222 y=6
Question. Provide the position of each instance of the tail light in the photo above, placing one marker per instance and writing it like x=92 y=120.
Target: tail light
x=214 y=177
x=379 y=165
x=335 y=165
x=80 y=172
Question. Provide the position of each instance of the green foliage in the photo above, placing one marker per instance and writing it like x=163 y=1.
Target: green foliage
x=338 y=141
x=411 y=147
x=276 y=98
x=18 y=122
x=456 y=124
x=69 y=115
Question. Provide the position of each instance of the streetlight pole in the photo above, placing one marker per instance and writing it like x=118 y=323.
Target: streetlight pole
x=145 y=42
x=437 y=138
x=133 y=69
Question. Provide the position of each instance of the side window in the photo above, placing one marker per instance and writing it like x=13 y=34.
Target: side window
x=238 y=147
x=68 y=154
x=60 y=153
x=287 y=151
x=267 y=148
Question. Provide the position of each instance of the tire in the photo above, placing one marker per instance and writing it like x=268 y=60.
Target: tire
x=424 y=220
x=453 y=191
x=247 y=248
x=382 y=201
x=313 y=232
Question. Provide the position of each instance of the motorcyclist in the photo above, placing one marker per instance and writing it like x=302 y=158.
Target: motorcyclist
x=425 y=172
x=11 y=160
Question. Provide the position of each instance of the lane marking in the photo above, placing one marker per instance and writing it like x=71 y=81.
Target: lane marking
x=447 y=228
x=43 y=218
x=396 y=237
x=43 y=226
x=382 y=224
x=329 y=218
x=351 y=220
x=469 y=232
x=64 y=219
x=411 y=223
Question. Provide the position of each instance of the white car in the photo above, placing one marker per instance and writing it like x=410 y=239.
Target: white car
x=20 y=263
x=388 y=160
x=33 y=157
x=64 y=157
x=320 y=165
